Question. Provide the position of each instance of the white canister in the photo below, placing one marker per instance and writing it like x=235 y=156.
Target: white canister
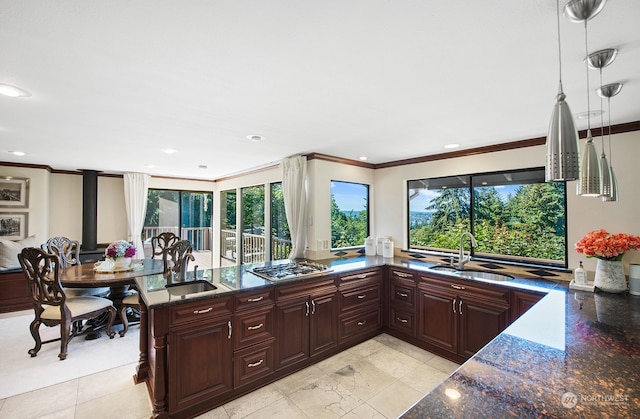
x=634 y=279
x=381 y=240
x=387 y=249
x=369 y=246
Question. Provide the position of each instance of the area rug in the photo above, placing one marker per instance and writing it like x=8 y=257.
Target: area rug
x=19 y=373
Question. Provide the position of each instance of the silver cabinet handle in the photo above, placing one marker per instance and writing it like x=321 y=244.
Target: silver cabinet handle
x=313 y=306
x=255 y=364
x=362 y=323
x=253 y=300
x=362 y=276
x=402 y=294
x=255 y=327
x=361 y=296
x=202 y=311
x=229 y=325
x=460 y=307
x=457 y=287
x=453 y=304
x=402 y=320
x=402 y=274
x=306 y=303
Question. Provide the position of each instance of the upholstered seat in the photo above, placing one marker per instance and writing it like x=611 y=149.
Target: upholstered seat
x=51 y=304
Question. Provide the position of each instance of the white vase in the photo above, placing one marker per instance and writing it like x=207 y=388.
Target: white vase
x=121 y=263
x=610 y=276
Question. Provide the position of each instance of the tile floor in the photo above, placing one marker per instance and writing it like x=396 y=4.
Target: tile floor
x=379 y=378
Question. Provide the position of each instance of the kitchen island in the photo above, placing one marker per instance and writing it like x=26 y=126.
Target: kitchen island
x=574 y=354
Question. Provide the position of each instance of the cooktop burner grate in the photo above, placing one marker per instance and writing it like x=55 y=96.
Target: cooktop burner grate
x=290 y=270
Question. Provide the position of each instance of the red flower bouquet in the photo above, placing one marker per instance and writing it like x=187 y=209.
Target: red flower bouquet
x=603 y=245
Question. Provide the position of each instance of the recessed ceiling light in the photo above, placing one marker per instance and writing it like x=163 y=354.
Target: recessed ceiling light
x=255 y=138
x=452 y=145
x=202 y=166
x=13 y=91
x=592 y=114
x=17 y=153
x=169 y=150
x=363 y=158
x=150 y=166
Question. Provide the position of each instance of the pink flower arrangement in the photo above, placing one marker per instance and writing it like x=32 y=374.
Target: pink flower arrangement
x=120 y=249
x=603 y=245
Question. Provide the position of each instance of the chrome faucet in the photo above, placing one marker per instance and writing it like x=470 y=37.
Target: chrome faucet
x=461 y=257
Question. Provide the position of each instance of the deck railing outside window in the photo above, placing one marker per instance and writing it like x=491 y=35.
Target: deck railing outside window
x=200 y=237
x=253 y=247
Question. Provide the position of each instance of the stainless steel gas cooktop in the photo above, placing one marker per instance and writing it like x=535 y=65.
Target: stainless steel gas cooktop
x=290 y=270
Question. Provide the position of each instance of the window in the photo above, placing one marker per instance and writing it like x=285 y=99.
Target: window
x=514 y=216
x=186 y=214
x=280 y=235
x=253 y=228
x=228 y=233
x=349 y=214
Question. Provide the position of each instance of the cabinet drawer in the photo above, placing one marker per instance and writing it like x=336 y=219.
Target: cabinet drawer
x=399 y=274
x=402 y=293
x=359 y=323
x=200 y=310
x=249 y=300
x=466 y=288
x=403 y=321
x=353 y=298
x=360 y=276
x=305 y=287
x=253 y=363
x=253 y=326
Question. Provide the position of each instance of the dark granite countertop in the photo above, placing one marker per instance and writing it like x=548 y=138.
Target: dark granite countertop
x=574 y=354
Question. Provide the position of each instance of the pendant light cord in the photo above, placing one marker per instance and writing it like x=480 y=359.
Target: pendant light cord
x=602 y=117
x=559 y=46
x=609 y=111
x=586 y=60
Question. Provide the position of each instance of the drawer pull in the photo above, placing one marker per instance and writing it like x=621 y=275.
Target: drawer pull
x=362 y=323
x=457 y=287
x=402 y=274
x=253 y=300
x=202 y=311
x=255 y=327
x=255 y=364
x=361 y=296
x=402 y=294
x=402 y=320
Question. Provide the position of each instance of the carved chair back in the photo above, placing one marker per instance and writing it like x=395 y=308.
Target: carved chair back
x=176 y=258
x=161 y=242
x=67 y=250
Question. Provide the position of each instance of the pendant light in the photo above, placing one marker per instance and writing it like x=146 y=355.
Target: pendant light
x=590 y=183
x=563 y=161
x=609 y=91
x=599 y=60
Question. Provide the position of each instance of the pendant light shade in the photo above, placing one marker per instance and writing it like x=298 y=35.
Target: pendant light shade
x=605 y=176
x=563 y=160
x=589 y=184
x=613 y=196
x=609 y=91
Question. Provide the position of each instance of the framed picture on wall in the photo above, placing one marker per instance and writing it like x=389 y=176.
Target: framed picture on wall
x=13 y=226
x=14 y=192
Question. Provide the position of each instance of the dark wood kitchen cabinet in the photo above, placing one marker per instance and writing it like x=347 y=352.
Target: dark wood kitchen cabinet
x=460 y=317
x=360 y=296
x=253 y=337
x=306 y=320
x=401 y=312
x=199 y=352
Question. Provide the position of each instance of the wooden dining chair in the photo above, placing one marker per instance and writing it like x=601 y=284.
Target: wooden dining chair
x=161 y=242
x=68 y=253
x=51 y=305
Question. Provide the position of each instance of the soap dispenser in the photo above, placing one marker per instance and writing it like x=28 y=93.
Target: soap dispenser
x=580 y=275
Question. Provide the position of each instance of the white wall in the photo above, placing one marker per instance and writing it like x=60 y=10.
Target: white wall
x=584 y=214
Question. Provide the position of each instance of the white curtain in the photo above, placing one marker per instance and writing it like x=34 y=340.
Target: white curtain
x=294 y=188
x=136 y=186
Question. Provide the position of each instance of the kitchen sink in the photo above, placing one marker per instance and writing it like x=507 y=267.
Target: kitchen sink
x=191 y=287
x=473 y=273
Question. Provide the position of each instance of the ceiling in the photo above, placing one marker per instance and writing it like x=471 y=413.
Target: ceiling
x=115 y=82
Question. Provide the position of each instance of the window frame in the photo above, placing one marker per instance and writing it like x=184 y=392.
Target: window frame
x=507 y=259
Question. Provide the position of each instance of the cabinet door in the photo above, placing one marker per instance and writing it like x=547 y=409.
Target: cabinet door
x=480 y=322
x=323 y=322
x=200 y=362
x=293 y=330
x=523 y=301
x=438 y=319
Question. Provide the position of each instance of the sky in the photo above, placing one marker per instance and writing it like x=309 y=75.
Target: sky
x=420 y=202
x=349 y=196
